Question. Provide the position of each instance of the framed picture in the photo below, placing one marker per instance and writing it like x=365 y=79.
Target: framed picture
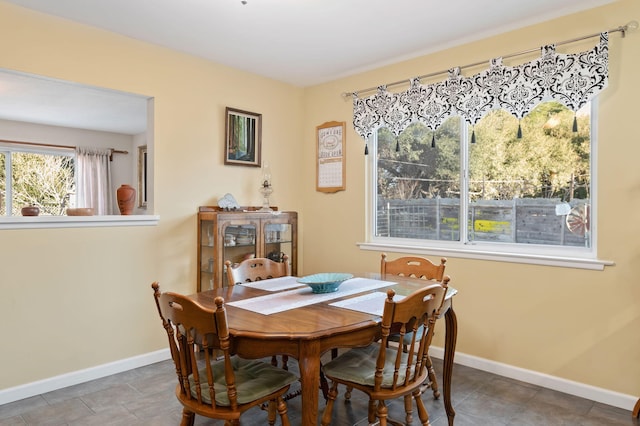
x=142 y=176
x=331 y=157
x=243 y=138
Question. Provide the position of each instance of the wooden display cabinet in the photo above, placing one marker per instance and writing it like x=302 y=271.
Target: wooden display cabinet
x=241 y=234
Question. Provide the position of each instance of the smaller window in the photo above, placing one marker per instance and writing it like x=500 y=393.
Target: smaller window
x=531 y=190
x=418 y=188
x=42 y=178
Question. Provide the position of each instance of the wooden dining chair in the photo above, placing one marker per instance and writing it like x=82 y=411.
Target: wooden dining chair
x=412 y=266
x=250 y=270
x=220 y=387
x=256 y=269
x=385 y=372
x=416 y=267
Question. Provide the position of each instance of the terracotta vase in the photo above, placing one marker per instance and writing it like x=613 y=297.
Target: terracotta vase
x=126 y=196
x=30 y=211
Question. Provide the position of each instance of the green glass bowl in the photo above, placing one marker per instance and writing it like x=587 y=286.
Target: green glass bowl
x=325 y=282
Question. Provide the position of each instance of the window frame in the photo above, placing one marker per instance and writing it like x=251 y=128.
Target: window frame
x=7 y=148
x=565 y=256
x=62 y=221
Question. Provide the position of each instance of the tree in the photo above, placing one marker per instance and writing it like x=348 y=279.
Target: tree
x=418 y=169
x=540 y=164
x=550 y=160
x=44 y=180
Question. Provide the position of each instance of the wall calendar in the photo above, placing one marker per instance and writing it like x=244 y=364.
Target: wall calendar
x=330 y=165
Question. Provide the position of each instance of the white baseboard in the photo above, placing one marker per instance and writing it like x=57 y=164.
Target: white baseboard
x=581 y=390
x=62 y=381
x=593 y=393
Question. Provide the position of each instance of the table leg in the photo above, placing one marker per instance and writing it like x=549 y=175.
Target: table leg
x=636 y=410
x=309 y=362
x=451 y=335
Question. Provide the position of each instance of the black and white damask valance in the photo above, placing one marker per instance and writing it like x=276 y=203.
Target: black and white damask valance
x=571 y=79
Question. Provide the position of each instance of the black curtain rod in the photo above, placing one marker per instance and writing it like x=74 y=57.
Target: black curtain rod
x=623 y=29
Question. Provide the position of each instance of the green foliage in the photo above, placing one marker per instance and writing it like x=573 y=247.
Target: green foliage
x=419 y=170
x=550 y=160
x=543 y=163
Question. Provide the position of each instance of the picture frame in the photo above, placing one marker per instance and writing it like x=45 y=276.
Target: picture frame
x=331 y=157
x=243 y=142
x=142 y=176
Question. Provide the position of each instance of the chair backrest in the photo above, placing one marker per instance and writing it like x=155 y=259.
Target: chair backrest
x=257 y=269
x=191 y=327
x=412 y=266
x=413 y=316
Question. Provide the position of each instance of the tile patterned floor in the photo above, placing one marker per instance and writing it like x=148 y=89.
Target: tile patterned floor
x=144 y=396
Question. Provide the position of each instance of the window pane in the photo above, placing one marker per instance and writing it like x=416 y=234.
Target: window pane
x=534 y=189
x=418 y=188
x=43 y=180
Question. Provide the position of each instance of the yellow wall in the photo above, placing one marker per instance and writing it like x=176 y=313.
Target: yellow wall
x=575 y=324
x=77 y=298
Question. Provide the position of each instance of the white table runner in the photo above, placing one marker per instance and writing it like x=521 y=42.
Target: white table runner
x=276 y=284
x=286 y=300
x=370 y=303
x=373 y=303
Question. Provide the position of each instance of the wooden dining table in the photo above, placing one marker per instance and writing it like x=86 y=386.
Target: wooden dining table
x=307 y=332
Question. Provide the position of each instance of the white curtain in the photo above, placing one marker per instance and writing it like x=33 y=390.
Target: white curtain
x=94 y=180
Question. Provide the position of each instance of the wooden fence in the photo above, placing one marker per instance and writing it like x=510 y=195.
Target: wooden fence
x=521 y=220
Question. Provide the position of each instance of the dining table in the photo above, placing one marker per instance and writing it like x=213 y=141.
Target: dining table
x=281 y=316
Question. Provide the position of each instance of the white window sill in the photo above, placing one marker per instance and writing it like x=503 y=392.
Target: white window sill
x=29 y=222
x=535 y=259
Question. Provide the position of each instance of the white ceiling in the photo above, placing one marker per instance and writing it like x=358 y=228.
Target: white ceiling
x=301 y=42
x=36 y=99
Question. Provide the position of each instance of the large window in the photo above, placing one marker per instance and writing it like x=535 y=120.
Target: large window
x=42 y=178
x=485 y=187
x=498 y=164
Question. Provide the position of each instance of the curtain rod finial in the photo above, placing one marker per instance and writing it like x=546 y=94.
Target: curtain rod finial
x=631 y=25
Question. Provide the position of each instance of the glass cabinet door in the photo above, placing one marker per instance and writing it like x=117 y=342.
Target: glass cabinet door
x=239 y=244
x=278 y=241
x=207 y=254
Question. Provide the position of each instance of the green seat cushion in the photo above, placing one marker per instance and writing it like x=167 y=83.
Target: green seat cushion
x=359 y=366
x=407 y=337
x=254 y=380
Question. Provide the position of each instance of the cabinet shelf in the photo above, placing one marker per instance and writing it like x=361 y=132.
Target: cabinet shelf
x=253 y=233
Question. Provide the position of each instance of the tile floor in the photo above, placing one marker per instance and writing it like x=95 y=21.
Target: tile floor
x=144 y=396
